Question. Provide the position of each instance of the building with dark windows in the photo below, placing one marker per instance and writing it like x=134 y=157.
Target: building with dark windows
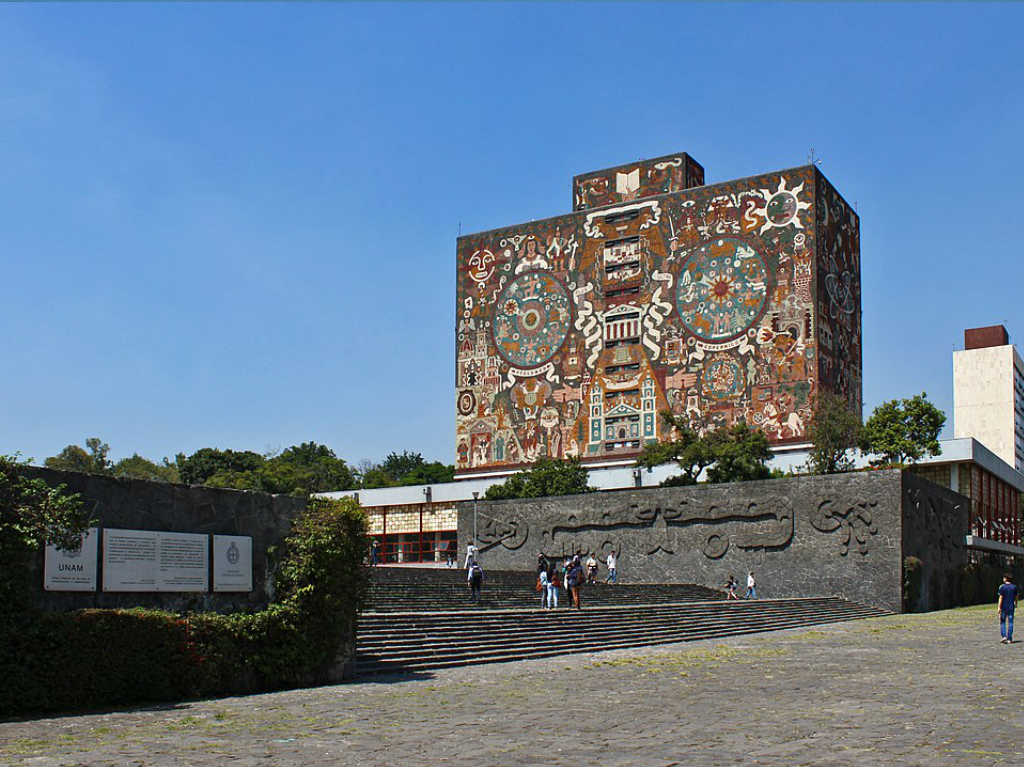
x=721 y=302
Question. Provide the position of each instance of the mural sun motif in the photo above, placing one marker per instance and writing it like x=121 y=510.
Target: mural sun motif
x=782 y=207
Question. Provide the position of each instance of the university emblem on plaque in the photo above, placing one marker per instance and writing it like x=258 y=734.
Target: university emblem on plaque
x=232 y=554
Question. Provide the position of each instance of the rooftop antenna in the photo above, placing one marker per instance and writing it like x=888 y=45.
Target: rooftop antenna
x=812 y=159
x=460 y=227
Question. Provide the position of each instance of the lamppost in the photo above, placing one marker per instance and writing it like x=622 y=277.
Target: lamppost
x=476 y=495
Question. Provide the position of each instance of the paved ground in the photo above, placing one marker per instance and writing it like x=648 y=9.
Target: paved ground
x=933 y=689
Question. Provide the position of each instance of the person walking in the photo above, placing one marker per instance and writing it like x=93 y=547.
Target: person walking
x=1009 y=593
x=374 y=553
x=613 y=573
x=591 y=570
x=573 y=579
x=566 y=566
x=542 y=562
x=751 y=586
x=475 y=579
x=730 y=588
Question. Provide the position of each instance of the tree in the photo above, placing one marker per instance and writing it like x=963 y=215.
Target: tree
x=398 y=466
x=730 y=454
x=74 y=458
x=835 y=429
x=547 y=476
x=207 y=461
x=903 y=431
x=741 y=454
x=138 y=467
x=692 y=452
x=430 y=474
x=307 y=468
x=404 y=469
x=32 y=514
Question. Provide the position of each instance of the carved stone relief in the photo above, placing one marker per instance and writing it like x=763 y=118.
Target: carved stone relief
x=853 y=521
x=767 y=524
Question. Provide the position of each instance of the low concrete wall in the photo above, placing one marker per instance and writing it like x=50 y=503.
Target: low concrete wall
x=142 y=505
x=802 y=536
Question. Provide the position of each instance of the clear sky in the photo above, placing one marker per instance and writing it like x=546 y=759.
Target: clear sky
x=234 y=225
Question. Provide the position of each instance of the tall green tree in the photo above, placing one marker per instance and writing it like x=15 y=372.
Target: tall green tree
x=689 y=450
x=309 y=468
x=92 y=460
x=741 y=454
x=547 y=476
x=903 y=431
x=32 y=514
x=138 y=467
x=405 y=468
x=730 y=454
x=834 y=431
x=197 y=468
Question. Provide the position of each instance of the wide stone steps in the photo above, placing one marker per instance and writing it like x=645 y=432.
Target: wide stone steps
x=418 y=641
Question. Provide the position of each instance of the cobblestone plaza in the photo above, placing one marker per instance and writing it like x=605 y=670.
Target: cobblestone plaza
x=935 y=689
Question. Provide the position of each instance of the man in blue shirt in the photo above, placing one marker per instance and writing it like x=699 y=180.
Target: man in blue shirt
x=1008 y=594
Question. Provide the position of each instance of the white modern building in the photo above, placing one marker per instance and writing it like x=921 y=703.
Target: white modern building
x=988 y=393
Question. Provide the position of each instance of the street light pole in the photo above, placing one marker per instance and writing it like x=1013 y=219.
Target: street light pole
x=476 y=495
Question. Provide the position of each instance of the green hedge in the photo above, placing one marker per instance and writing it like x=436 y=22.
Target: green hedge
x=95 y=658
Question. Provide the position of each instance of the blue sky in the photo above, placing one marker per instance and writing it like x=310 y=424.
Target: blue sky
x=234 y=225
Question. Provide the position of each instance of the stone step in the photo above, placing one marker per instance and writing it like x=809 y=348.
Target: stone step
x=469 y=621
x=592 y=639
x=436 y=640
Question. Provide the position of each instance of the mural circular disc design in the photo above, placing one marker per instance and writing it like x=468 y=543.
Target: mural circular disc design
x=723 y=289
x=532 y=319
x=466 y=402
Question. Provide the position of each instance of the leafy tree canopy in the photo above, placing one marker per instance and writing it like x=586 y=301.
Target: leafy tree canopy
x=741 y=454
x=835 y=429
x=138 y=467
x=92 y=460
x=692 y=452
x=546 y=477
x=903 y=431
x=406 y=469
x=32 y=514
x=197 y=468
x=731 y=454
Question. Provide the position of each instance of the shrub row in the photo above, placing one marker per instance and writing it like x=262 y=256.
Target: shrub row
x=97 y=658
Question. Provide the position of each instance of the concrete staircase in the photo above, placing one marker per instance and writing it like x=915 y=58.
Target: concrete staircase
x=435 y=636
x=408 y=589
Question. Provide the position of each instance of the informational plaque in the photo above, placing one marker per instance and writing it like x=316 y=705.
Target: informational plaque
x=147 y=560
x=72 y=570
x=232 y=563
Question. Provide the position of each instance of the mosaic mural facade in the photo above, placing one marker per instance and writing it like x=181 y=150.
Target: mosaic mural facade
x=725 y=302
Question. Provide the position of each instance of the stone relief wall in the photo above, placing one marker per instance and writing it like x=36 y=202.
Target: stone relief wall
x=804 y=536
x=935 y=523
x=142 y=505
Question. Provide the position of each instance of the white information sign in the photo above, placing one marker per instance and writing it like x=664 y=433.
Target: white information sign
x=147 y=560
x=72 y=570
x=232 y=563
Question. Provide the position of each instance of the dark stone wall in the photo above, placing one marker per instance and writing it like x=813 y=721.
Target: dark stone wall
x=802 y=536
x=142 y=505
x=935 y=522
